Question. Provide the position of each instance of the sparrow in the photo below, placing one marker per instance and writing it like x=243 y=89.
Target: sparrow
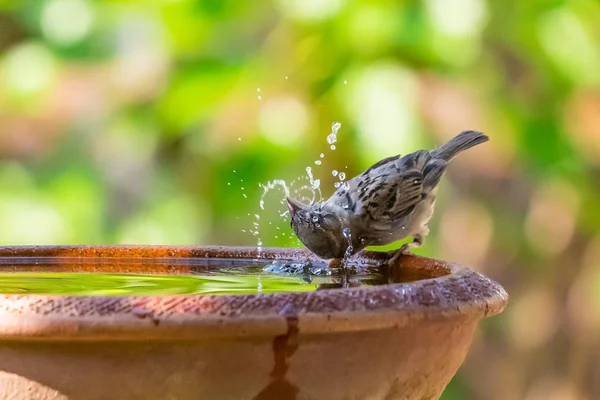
x=392 y=200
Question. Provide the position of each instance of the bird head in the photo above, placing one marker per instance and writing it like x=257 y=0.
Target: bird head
x=319 y=227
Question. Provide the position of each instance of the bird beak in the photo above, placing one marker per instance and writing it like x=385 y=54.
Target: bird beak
x=294 y=205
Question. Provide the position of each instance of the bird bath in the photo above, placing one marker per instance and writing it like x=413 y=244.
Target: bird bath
x=396 y=340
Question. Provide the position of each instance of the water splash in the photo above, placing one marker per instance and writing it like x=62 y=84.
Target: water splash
x=267 y=187
x=335 y=127
x=308 y=193
x=348 y=235
x=314 y=183
x=342 y=177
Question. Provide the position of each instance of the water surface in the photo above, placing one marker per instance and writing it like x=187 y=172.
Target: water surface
x=106 y=277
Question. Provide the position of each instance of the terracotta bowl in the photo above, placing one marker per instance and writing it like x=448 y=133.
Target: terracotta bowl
x=394 y=341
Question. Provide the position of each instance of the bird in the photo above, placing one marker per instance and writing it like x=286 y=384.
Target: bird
x=392 y=200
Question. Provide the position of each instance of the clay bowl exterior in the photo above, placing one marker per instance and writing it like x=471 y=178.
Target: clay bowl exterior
x=395 y=341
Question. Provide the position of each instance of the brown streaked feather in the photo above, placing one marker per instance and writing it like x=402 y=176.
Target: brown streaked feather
x=405 y=191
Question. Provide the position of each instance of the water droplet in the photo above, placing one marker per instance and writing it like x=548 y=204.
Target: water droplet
x=336 y=126
x=256 y=216
x=315 y=219
x=332 y=138
x=243 y=230
x=334 y=172
x=245 y=195
x=332 y=147
x=286 y=77
x=242 y=188
x=314 y=183
x=322 y=155
x=240 y=139
x=342 y=176
x=337 y=185
x=234 y=171
x=346 y=185
x=260 y=97
x=228 y=183
x=318 y=162
x=276 y=237
x=348 y=235
x=345 y=82
x=258 y=89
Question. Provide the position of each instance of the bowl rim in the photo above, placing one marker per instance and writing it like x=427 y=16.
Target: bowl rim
x=463 y=293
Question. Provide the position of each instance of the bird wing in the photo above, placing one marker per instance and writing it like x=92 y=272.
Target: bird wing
x=395 y=196
x=391 y=188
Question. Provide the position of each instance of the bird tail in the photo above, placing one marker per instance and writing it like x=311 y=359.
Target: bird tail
x=463 y=141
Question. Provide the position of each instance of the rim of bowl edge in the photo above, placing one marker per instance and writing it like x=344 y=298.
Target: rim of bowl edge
x=463 y=293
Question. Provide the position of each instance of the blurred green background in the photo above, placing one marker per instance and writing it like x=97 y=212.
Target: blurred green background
x=154 y=122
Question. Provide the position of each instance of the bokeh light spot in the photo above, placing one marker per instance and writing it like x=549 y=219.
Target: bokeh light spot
x=532 y=318
x=565 y=40
x=28 y=70
x=311 y=10
x=283 y=120
x=383 y=101
x=66 y=22
x=457 y=18
x=466 y=231
x=550 y=223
